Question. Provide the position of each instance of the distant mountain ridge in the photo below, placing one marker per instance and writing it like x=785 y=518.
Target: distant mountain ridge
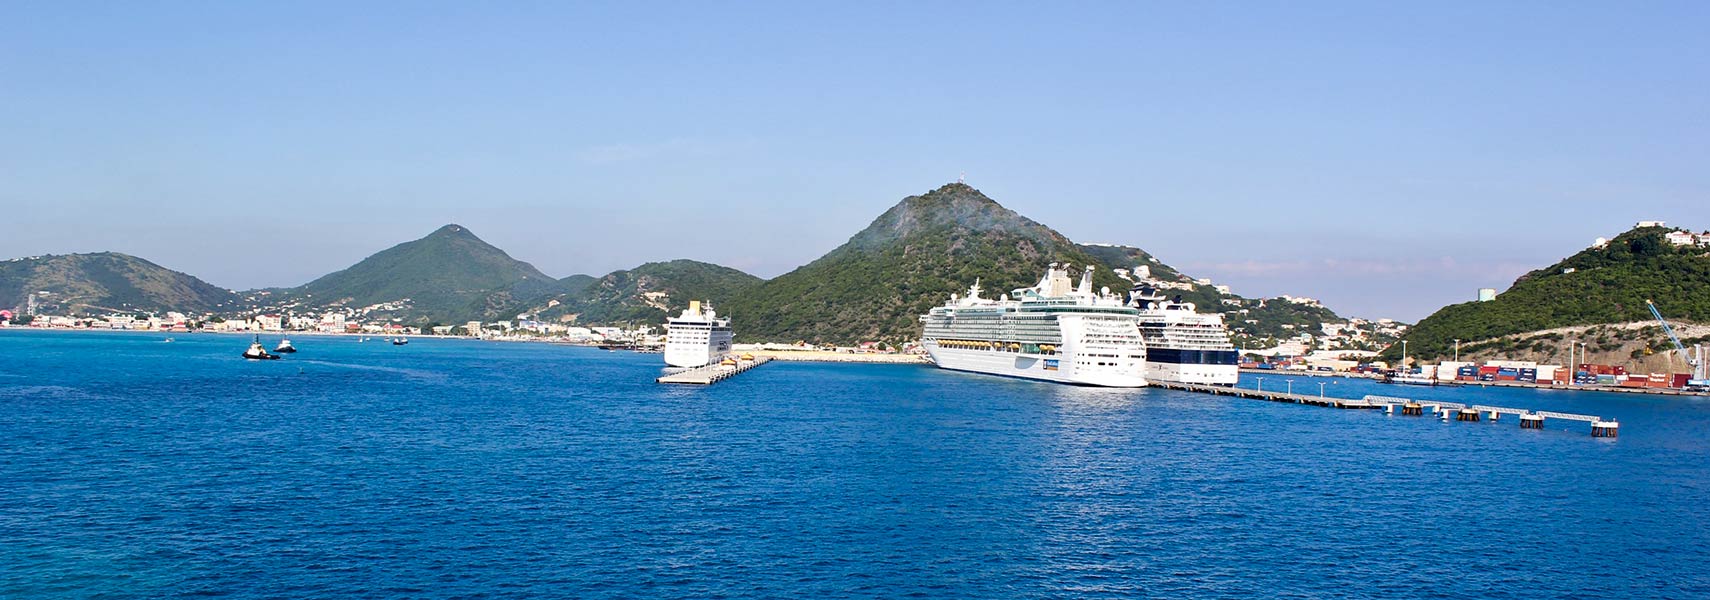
x=912 y=257
x=105 y=282
x=873 y=287
x=448 y=275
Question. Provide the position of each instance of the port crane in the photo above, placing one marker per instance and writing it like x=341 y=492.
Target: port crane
x=1695 y=360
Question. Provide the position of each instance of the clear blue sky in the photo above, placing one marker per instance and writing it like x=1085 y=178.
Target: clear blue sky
x=1388 y=159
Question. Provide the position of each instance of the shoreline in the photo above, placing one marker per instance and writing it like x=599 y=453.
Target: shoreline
x=779 y=355
x=839 y=357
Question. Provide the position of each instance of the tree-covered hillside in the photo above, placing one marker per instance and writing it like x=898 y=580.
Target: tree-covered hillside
x=647 y=294
x=105 y=282
x=1251 y=320
x=875 y=286
x=449 y=276
x=1596 y=286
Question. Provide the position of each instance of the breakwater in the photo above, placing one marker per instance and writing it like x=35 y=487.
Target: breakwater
x=1444 y=410
x=713 y=373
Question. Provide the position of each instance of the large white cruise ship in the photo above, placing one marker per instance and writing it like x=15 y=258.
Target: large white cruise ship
x=1050 y=332
x=1181 y=344
x=697 y=337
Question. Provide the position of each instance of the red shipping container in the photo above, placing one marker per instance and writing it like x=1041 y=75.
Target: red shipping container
x=1488 y=370
x=1619 y=370
x=1635 y=383
x=1680 y=380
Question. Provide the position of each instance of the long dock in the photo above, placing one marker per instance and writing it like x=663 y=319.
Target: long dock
x=713 y=373
x=1529 y=419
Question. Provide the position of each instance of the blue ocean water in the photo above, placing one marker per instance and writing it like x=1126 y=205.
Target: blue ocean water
x=131 y=467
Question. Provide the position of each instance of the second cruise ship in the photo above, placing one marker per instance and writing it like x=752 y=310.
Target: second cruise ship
x=1182 y=344
x=1052 y=331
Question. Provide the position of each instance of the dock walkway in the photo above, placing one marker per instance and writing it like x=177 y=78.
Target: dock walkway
x=1529 y=419
x=713 y=373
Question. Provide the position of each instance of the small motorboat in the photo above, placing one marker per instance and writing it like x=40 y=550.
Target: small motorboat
x=400 y=341
x=1409 y=379
x=285 y=347
x=256 y=352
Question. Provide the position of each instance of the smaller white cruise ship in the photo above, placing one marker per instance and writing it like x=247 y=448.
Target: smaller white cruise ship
x=1183 y=344
x=696 y=338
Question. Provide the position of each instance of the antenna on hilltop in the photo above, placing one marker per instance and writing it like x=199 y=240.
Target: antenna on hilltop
x=962 y=178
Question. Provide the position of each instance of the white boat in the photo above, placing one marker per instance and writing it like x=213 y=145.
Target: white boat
x=1182 y=344
x=285 y=347
x=697 y=338
x=1049 y=332
x=257 y=352
x=1410 y=379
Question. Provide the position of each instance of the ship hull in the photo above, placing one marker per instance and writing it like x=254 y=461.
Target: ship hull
x=1053 y=368
x=1193 y=373
x=699 y=353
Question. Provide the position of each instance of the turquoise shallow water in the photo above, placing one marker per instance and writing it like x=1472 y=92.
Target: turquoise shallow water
x=130 y=467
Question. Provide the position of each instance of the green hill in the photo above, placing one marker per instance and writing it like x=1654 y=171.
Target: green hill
x=1248 y=318
x=448 y=276
x=105 y=282
x=1128 y=257
x=646 y=294
x=875 y=286
x=1596 y=286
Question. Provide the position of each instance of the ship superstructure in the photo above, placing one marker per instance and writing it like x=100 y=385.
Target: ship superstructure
x=696 y=338
x=1053 y=331
x=1182 y=344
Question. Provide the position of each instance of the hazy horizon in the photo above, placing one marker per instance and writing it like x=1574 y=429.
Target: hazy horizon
x=1387 y=160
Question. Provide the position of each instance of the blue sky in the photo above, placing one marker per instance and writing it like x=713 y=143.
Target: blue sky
x=1387 y=159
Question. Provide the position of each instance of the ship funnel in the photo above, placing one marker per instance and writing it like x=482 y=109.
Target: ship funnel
x=694 y=307
x=1085 y=288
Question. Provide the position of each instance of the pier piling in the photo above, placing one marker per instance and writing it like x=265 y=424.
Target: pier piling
x=1606 y=429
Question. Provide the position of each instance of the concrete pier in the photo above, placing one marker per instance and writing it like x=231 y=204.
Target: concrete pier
x=1600 y=427
x=713 y=373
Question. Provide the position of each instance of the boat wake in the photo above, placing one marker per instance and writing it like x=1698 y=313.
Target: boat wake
x=411 y=373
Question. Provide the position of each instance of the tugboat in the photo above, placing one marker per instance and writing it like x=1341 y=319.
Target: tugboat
x=400 y=341
x=285 y=347
x=256 y=352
